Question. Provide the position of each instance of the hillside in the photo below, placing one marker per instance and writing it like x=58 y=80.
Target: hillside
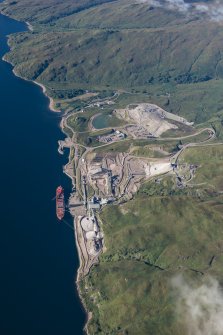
x=41 y=11
x=121 y=45
x=163 y=237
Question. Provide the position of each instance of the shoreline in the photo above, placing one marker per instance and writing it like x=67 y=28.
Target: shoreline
x=54 y=110
x=75 y=221
x=78 y=274
x=51 y=101
x=88 y=313
x=51 y=104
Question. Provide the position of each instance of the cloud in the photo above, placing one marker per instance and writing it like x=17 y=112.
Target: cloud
x=169 y=4
x=201 y=308
x=212 y=10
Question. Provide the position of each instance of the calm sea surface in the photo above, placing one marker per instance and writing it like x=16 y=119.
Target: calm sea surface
x=38 y=257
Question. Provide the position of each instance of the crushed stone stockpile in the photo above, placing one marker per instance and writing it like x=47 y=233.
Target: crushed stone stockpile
x=151 y=117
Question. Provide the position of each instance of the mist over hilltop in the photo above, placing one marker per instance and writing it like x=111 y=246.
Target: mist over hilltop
x=200 y=308
x=211 y=9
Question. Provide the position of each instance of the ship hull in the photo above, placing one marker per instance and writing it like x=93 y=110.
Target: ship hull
x=60 y=204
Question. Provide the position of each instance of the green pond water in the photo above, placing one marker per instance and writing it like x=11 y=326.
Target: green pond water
x=102 y=121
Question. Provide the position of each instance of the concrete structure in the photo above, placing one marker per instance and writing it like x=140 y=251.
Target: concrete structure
x=87 y=223
x=92 y=205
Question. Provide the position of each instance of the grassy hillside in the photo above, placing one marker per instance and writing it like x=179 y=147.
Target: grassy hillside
x=128 y=14
x=149 y=241
x=209 y=161
x=164 y=231
x=125 y=58
x=146 y=54
x=97 y=45
x=46 y=11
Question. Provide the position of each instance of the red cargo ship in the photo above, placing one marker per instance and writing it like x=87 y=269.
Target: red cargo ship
x=60 y=205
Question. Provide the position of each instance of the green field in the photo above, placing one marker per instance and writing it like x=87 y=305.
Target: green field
x=79 y=122
x=94 y=45
x=149 y=241
x=164 y=231
x=145 y=54
x=210 y=165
